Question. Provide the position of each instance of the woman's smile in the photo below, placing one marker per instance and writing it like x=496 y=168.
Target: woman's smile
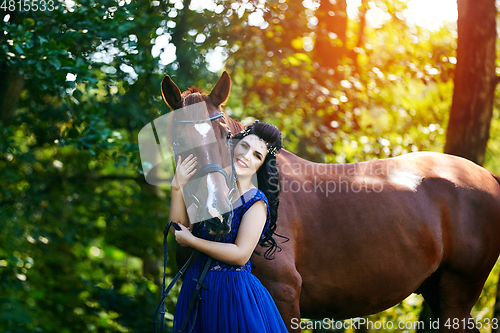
x=241 y=163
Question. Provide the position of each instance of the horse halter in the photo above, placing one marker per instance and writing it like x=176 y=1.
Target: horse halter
x=191 y=187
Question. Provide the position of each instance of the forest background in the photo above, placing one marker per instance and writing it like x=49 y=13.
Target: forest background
x=345 y=81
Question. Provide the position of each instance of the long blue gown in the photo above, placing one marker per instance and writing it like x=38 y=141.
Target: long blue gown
x=235 y=301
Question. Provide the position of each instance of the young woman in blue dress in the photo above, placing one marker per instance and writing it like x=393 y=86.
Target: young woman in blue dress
x=234 y=300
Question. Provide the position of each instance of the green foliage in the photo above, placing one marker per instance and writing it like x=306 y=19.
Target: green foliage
x=389 y=95
x=72 y=195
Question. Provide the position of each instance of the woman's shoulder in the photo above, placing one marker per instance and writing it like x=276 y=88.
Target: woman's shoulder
x=259 y=195
x=252 y=196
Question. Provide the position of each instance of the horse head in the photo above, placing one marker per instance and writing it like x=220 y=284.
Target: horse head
x=201 y=128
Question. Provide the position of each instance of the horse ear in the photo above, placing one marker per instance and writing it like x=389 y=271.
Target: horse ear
x=171 y=93
x=220 y=93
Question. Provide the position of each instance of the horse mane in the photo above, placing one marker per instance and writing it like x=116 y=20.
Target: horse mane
x=192 y=90
x=234 y=125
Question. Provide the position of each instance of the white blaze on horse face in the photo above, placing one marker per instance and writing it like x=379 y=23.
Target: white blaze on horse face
x=407 y=179
x=203 y=129
x=211 y=201
x=207 y=137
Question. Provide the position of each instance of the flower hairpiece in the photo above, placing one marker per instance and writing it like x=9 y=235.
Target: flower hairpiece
x=246 y=131
x=272 y=150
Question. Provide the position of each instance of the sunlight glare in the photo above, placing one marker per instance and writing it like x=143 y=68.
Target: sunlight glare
x=215 y=59
x=431 y=14
x=311 y=4
x=164 y=49
x=200 y=5
x=375 y=16
x=257 y=19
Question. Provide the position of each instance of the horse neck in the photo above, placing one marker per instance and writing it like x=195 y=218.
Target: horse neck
x=288 y=157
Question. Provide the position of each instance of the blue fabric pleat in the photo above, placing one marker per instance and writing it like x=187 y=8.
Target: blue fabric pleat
x=235 y=301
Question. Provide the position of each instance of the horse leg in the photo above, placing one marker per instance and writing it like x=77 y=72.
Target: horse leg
x=285 y=288
x=451 y=297
x=287 y=298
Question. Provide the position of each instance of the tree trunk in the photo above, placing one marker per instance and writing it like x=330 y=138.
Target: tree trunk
x=475 y=80
x=150 y=267
x=11 y=85
x=11 y=81
x=181 y=47
x=362 y=9
x=331 y=34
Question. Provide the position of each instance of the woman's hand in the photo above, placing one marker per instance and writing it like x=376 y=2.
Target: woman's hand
x=184 y=171
x=184 y=236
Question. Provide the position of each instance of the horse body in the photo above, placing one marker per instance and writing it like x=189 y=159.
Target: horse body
x=364 y=236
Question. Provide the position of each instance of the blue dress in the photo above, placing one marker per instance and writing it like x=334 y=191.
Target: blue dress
x=235 y=301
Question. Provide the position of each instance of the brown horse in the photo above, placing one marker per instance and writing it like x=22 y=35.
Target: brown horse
x=199 y=127
x=364 y=236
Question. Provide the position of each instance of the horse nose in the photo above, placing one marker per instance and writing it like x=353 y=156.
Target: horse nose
x=216 y=227
x=214 y=213
x=221 y=217
x=220 y=222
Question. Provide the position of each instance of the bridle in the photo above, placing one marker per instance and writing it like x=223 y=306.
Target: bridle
x=192 y=186
x=189 y=191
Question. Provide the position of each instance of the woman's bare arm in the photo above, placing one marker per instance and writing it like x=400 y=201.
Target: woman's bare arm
x=239 y=253
x=177 y=207
x=184 y=171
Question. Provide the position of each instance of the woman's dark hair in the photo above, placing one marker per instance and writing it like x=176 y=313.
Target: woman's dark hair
x=268 y=178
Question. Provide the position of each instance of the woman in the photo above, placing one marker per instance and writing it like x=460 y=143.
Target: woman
x=234 y=300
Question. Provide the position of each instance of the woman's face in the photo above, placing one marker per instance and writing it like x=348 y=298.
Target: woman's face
x=249 y=155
